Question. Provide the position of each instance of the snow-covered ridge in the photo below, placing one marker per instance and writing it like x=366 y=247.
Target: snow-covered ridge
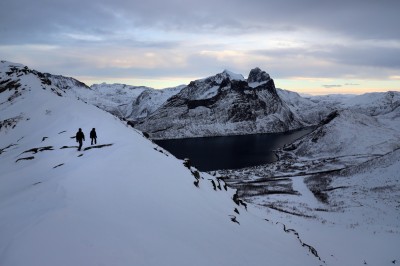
x=350 y=133
x=123 y=201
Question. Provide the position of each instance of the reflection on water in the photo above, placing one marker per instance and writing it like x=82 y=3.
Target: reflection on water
x=231 y=152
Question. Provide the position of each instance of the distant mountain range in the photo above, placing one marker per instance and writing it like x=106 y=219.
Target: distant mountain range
x=223 y=104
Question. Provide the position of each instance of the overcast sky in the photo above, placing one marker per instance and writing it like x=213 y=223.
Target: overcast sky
x=314 y=46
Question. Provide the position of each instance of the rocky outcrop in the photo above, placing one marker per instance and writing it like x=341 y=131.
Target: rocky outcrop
x=257 y=75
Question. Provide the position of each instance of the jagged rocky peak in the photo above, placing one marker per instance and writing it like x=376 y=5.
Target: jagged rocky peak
x=257 y=75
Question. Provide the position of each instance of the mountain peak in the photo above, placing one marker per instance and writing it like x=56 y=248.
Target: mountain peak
x=258 y=75
x=231 y=75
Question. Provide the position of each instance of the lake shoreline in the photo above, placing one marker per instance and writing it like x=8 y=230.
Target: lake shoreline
x=231 y=152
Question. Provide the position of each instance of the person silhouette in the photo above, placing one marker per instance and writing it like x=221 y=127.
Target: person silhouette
x=79 y=138
x=93 y=136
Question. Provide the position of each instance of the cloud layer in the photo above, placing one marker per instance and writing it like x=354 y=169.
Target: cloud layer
x=159 y=39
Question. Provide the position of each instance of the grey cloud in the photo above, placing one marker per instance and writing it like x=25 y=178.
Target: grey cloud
x=111 y=24
x=329 y=86
x=42 y=20
x=365 y=56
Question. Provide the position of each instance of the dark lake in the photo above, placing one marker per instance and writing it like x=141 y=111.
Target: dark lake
x=231 y=152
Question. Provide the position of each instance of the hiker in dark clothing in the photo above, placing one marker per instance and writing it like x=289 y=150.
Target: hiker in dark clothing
x=79 y=138
x=93 y=136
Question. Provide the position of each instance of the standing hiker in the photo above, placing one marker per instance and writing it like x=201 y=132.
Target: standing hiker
x=93 y=136
x=79 y=138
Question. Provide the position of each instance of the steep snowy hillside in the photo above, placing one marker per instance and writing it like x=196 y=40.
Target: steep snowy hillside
x=124 y=201
x=124 y=101
x=338 y=186
x=352 y=216
x=374 y=104
x=149 y=101
x=224 y=104
x=113 y=98
x=311 y=109
x=349 y=133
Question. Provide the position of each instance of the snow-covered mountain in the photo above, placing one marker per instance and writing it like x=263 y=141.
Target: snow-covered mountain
x=124 y=101
x=314 y=109
x=348 y=132
x=124 y=201
x=339 y=185
x=224 y=104
x=149 y=101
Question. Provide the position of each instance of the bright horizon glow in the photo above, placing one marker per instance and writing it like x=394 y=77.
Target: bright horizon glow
x=300 y=85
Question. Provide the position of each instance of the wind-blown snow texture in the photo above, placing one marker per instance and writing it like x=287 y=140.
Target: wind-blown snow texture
x=124 y=202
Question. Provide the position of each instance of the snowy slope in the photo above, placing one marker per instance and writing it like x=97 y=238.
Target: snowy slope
x=124 y=101
x=374 y=104
x=351 y=216
x=114 y=98
x=123 y=202
x=311 y=109
x=347 y=133
x=149 y=101
x=361 y=212
x=338 y=187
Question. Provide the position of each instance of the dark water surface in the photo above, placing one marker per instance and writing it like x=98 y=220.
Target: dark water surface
x=231 y=152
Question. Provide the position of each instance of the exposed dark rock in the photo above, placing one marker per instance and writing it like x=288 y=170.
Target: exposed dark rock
x=69 y=147
x=213 y=183
x=186 y=163
x=7 y=147
x=257 y=75
x=161 y=151
x=10 y=122
x=330 y=117
x=196 y=174
x=39 y=149
x=26 y=158
x=233 y=219
x=310 y=248
x=58 y=165
x=238 y=201
x=146 y=135
x=97 y=146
